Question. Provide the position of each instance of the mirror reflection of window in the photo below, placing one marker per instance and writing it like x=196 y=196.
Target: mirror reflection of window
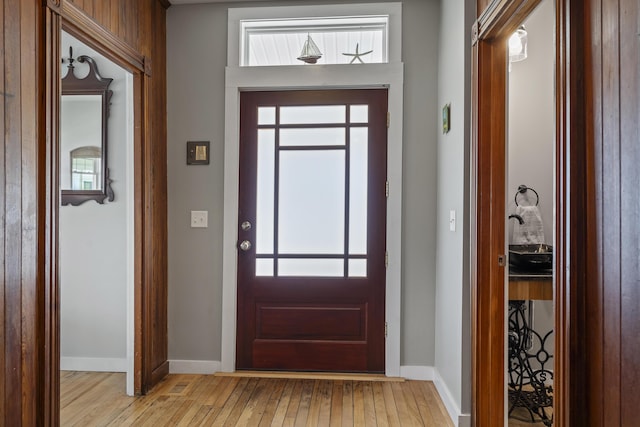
x=85 y=168
x=81 y=137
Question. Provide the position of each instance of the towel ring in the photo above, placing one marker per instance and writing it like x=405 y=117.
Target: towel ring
x=523 y=189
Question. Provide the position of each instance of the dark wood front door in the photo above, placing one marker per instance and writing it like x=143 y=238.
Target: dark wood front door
x=311 y=230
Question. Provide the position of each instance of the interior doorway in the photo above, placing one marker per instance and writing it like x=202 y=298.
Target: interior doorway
x=312 y=227
x=530 y=213
x=490 y=229
x=147 y=297
x=96 y=216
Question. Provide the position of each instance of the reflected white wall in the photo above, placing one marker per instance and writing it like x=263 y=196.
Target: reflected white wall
x=95 y=244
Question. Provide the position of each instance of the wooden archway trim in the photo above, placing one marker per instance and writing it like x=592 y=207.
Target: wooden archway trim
x=487 y=233
x=149 y=102
x=69 y=18
x=78 y=24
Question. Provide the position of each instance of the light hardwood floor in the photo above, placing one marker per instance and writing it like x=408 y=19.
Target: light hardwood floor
x=98 y=399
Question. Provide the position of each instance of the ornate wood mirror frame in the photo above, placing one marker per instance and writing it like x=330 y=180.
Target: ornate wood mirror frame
x=91 y=85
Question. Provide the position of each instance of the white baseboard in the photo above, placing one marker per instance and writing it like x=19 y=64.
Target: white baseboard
x=459 y=419
x=201 y=367
x=421 y=373
x=430 y=373
x=93 y=364
x=464 y=420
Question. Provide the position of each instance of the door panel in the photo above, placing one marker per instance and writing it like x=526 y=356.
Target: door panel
x=312 y=226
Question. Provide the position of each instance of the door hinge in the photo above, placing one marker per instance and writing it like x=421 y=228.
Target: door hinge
x=386 y=329
x=386 y=189
x=386 y=260
x=388 y=119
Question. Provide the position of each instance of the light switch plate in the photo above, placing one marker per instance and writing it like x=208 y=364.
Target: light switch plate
x=452 y=220
x=199 y=219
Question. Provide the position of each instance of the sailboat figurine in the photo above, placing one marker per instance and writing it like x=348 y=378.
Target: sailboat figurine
x=310 y=52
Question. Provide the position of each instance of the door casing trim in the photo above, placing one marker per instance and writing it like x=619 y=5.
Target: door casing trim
x=491 y=31
x=327 y=77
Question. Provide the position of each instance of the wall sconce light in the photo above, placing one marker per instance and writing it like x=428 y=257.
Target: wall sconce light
x=518 y=45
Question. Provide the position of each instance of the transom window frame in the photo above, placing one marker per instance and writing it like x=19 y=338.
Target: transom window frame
x=238 y=17
x=318 y=28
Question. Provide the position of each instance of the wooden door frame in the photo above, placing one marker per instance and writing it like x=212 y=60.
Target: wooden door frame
x=59 y=15
x=488 y=150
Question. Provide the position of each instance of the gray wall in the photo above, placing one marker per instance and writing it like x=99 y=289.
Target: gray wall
x=197 y=37
x=452 y=326
x=93 y=242
x=532 y=131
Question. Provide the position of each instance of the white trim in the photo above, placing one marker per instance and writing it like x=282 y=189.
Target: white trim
x=201 y=367
x=459 y=420
x=420 y=373
x=325 y=77
x=130 y=239
x=464 y=420
x=393 y=10
x=430 y=373
x=93 y=364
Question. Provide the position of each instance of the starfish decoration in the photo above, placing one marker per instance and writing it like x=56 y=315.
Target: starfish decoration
x=357 y=55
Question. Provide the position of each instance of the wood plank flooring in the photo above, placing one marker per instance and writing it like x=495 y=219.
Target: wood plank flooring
x=98 y=399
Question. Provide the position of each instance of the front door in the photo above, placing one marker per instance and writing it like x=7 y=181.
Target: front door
x=312 y=226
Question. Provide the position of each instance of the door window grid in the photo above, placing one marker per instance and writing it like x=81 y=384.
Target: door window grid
x=352 y=261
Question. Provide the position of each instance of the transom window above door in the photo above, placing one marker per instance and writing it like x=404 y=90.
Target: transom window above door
x=361 y=33
x=339 y=40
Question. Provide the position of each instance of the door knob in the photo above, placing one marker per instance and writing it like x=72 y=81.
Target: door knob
x=245 y=245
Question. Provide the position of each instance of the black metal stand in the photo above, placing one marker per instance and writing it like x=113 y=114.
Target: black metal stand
x=528 y=376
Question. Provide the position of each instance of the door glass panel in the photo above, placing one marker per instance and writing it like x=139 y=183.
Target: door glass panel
x=357 y=268
x=264 y=267
x=266 y=192
x=359 y=114
x=312 y=136
x=358 y=192
x=300 y=204
x=311 y=267
x=316 y=114
x=266 y=115
x=311 y=206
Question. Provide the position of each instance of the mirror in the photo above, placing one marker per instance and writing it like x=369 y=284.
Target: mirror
x=84 y=111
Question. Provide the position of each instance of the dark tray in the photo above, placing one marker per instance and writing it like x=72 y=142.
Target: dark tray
x=531 y=256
